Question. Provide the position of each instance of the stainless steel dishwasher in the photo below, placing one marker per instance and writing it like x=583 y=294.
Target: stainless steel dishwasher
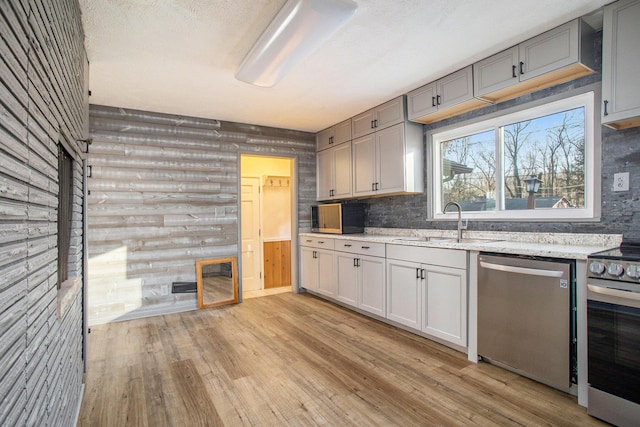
x=526 y=316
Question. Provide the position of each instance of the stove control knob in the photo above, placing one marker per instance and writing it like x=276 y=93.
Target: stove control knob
x=633 y=271
x=615 y=270
x=596 y=267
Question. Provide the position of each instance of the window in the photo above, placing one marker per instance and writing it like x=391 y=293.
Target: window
x=65 y=210
x=536 y=163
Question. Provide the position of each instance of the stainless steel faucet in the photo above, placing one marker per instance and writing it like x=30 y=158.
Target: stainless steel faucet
x=460 y=228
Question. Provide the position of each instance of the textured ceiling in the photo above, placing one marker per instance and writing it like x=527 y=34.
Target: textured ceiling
x=180 y=56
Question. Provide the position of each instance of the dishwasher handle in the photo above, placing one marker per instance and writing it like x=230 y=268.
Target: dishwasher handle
x=521 y=270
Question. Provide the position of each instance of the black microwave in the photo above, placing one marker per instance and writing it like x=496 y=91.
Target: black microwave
x=338 y=218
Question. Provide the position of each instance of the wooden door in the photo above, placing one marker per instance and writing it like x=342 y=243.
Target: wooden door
x=277 y=264
x=250 y=231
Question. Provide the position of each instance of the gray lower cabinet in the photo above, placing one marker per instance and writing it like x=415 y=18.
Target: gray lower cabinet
x=317 y=265
x=421 y=288
x=403 y=292
x=361 y=275
x=427 y=290
x=621 y=64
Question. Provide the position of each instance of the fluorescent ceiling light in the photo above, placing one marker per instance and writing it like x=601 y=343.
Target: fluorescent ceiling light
x=298 y=29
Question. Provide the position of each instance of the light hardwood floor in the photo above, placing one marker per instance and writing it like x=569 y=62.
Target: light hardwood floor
x=297 y=360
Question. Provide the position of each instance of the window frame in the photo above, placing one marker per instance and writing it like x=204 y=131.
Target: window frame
x=587 y=97
x=65 y=213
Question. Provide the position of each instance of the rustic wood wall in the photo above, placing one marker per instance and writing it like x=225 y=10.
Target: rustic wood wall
x=43 y=101
x=163 y=194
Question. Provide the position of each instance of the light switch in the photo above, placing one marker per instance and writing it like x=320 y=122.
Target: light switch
x=621 y=181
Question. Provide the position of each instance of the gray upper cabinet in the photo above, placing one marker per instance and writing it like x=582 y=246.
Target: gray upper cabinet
x=443 y=98
x=333 y=172
x=621 y=65
x=561 y=54
x=388 y=161
x=385 y=115
x=335 y=135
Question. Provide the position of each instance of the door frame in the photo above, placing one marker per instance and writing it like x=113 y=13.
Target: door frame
x=295 y=288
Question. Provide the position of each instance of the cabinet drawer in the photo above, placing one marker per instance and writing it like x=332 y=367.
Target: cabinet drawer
x=428 y=255
x=361 y=247
x=317 y=242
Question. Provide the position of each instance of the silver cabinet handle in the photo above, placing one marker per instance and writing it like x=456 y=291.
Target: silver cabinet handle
x=521 y=270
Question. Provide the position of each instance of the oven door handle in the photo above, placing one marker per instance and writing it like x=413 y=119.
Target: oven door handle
x=616 y=293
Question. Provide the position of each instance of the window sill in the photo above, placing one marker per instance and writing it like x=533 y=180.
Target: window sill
x=67 y=294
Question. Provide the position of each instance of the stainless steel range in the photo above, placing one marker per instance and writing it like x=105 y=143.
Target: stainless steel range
x=613 y=317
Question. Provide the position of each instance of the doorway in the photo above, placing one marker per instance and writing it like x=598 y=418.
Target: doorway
x=266 y=212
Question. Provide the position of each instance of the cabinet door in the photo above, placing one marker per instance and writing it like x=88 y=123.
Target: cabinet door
x=371 y=285
x=326 y=272
x=364 y=165
x=347 y=278
x=362 y=124
x=325 y=173
x=422 y=101
x=342 y=132
x=495 y=73
x=390 y=160
x=620 y=63
x=342 y=171
x=389 y=113
x=444 y=302
x=549 y=51
x=403 y=293
x=455 y=88
x=308 y=269
x=323 y=139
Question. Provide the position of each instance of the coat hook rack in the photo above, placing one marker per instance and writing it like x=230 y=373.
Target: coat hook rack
x=87 y=142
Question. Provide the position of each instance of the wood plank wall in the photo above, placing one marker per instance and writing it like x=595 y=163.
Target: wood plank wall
x=43 y=100
x=163 y=194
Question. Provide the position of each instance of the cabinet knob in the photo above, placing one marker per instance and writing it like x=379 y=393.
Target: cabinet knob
x=606 y=104
x=521 y=67
x=365 y=247
x=433 y=101
x=438 y=97
x=513 y=71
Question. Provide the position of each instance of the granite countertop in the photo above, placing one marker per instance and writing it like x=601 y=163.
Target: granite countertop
x=556 y=245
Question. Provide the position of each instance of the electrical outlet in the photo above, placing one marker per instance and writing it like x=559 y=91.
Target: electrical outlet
x=621 y=181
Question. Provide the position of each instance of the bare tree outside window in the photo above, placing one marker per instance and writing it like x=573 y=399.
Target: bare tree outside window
x=551 y=148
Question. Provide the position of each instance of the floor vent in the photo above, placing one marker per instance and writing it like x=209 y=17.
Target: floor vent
x=183 y=287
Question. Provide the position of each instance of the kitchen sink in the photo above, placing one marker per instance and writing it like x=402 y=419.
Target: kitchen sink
x=470 y=240
x=422 y=239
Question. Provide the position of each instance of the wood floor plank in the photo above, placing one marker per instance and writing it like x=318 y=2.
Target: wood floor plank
x=296 y=360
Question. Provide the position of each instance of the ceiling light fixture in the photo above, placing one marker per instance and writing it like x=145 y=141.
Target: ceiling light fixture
x=298 y=29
